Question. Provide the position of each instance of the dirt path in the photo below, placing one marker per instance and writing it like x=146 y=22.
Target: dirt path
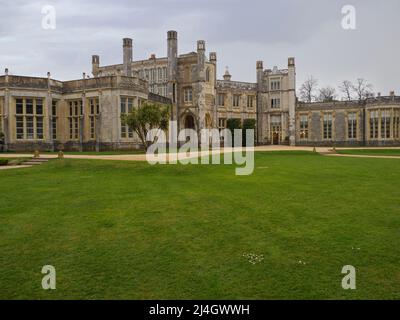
x=360 y=156
x=142 y=157
x=14 y=167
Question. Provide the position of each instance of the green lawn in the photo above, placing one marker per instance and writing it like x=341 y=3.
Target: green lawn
x=134 y=231
x=371 y=152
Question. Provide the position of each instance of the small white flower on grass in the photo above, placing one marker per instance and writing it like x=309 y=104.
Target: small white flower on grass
x=253 y=258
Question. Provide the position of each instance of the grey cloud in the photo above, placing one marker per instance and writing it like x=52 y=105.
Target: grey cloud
x=240 y=31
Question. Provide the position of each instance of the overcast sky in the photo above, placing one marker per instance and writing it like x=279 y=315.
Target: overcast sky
x=241 y=32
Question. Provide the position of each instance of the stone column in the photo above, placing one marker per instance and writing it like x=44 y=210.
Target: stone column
x=49 y=103
x=82 y=117
x=7 y=101
x=127 y=56
x=213 y=60
x=172 y=73
x=98 y=124
x=200 y=88
x=259 y=106
x=292 y=101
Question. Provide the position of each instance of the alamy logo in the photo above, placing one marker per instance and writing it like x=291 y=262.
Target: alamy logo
x=349 y=18
x=210 y=141
x=49 y=280
x=349 y=280
x=49 y=18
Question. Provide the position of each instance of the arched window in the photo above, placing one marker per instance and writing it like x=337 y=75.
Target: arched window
x=208 y=75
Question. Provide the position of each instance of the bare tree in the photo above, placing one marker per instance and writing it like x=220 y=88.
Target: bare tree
x=346 y=88
x=308 y=88
x=327 y=94
x=362 y=89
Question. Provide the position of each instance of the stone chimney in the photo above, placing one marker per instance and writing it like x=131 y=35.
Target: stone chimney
x=95 y=65
x=213 y=57
x=127 y=56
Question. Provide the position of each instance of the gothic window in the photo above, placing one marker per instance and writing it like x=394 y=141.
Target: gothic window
x=208 y=74
x=275 y=85
x=54 y=119
x=188 y=95
x=126 y=108
x=275 y=103
x=221 y=123
x=236 y=100
x=93 y=111
x=75 y=111
x=385 y=124
x=221 y=99
x=29 y=120
x=327 y=123
x=352 y=125
x=303 y=127
x=250 y=101
x=373 y=125
x=396 y=124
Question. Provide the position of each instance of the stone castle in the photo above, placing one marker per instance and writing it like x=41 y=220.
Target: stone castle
x=85 y=114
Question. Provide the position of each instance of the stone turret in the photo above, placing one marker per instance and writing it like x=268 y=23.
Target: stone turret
x=213 y=57
x=260 y=115
x=292 y=100
x=127 y=56
x=172 y=68
x=200 y=86
x=227 y=75
x=201 y=58
x=260 y=71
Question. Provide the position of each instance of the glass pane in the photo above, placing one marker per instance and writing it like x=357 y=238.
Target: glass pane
x=29 y=128
x=39 y=106
x=19 y=106
x=29 y=106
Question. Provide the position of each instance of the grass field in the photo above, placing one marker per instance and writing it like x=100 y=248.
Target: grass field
x=371 y=152
x=129 y=230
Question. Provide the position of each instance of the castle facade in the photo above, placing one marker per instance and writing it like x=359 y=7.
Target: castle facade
x=85 y=114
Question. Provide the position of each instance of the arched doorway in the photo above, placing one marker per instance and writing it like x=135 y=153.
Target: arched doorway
x=189 y=122
x=275 y=138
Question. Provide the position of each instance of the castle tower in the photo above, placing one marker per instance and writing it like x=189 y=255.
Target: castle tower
x=95 y=65
x=201 y=57
x=213 y=60
x=292 y=100
x=201 y=78
x=260 y=113
x=127 y=56
x=172 y=71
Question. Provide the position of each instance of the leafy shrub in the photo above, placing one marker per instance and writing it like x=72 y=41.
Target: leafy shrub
x=3 y=162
